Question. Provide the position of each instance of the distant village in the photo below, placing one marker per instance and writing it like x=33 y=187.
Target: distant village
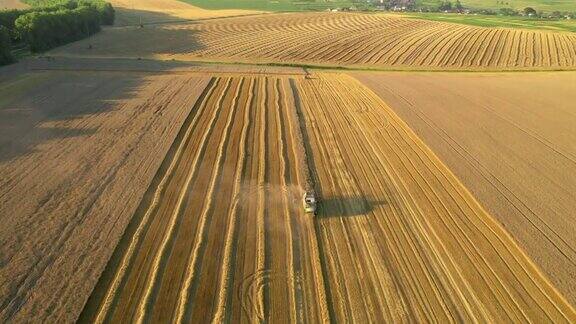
x=447 y=6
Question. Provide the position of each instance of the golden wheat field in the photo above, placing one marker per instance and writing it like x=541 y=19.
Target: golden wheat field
x=513 y=151
x=216 y=232
x=95 y=158
x=237 y=164
x=12 y=4
x=156 y=174
x=130 y=12
x=339 y=39
x=390 y=210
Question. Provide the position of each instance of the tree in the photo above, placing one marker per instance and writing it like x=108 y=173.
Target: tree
x=5 y=46
x=445 y=6
x=556 y=14
x=458 y=6
x=508 y=12
x=529 y=11
x=46 y=30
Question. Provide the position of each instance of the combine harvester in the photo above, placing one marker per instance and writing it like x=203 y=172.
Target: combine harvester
x=310 y=202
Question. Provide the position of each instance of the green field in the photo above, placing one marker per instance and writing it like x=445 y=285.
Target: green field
x=544 y=5
x=276 y=5
x=499 y=21
x=475 y=20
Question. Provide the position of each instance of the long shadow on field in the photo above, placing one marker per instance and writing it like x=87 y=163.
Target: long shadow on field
x=161 y=35
x=36 y=108
x=148 y=42
x=55 y=126
x=346 y=206
x=133 y=17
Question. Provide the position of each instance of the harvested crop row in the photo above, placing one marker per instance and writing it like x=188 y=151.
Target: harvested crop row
x=221 y=236
x=394 y=213
x=341 y=39
x=512 y=151
x=77 y=153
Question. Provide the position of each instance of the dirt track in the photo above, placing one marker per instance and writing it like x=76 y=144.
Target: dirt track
x=338 y=39
x=510 y=139
x=77 y=152
x=222 y=236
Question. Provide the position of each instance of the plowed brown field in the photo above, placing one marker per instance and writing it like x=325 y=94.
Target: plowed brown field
x=367 y=40
x=510 y=139
x=77 y=153
x=221 y=235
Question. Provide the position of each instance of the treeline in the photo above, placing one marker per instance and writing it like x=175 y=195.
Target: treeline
x=531 y=12
x=455 y=6
x=392 y=4
x=5 y=44
x=448 y=6
x=8 y=17
x=54 y=22
x=44 y=3
x=43 y=30
x=413 y=5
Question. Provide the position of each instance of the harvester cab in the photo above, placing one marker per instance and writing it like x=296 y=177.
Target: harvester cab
x=309 y=201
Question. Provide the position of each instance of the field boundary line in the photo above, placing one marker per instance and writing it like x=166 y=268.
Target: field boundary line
x=312 y=66
x=163 y=72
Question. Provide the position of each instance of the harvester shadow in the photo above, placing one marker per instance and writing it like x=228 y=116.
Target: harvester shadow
x=347 y=206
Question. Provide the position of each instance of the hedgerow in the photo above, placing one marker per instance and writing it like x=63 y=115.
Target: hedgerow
x=50 y=23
